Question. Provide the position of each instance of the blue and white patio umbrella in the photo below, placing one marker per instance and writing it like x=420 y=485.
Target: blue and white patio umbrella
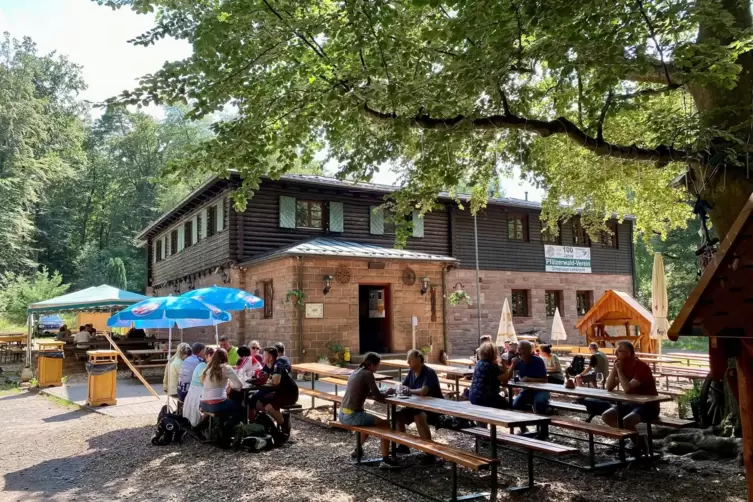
x=228 y=299
x=169 y=311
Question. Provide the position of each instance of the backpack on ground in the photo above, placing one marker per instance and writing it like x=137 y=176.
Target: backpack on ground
x=262 y=434
x=577 y=366
x=170 y=428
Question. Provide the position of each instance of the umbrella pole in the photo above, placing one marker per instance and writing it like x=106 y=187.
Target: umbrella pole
x=216 y=336
x=478 y=285
x=167 y=368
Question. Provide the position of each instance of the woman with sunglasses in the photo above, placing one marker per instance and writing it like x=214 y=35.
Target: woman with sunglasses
x=256 y=351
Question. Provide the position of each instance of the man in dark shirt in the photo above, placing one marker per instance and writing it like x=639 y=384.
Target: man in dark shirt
x=281 y=357
x=529 y=368
x=421 y=381
x=279 y=391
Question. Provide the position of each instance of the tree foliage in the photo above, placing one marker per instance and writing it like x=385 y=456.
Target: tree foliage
x=116 y=273
x=18 y=291
x=582 y=95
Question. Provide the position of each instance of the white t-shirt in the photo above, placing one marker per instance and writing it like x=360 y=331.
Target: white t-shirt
x=81 y=337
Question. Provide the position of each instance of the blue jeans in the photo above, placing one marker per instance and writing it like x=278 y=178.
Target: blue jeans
x=234 y=411
x=357 y=418
x=532 y=398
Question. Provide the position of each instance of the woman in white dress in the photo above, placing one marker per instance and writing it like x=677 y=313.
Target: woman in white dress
x=193 y=398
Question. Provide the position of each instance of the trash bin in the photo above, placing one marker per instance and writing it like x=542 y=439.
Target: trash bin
x=50 y=364
x=102 y=368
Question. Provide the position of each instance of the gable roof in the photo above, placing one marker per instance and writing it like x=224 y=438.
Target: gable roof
x=325 y=247
x=615 y=308
x=722 y=296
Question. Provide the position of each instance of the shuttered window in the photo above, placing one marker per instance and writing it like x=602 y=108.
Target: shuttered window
x=583 y=301
x=268 y=299
x=552 y=302
x=519 y=303
x=163 y=243
x=580 y=236
x=549 y=237
x=211 y=224
x=181 y=238
x=418 y=223
x=609 y=238
x=287 y=212
x=158 y=250
x=309 y=214
x=221 y=216
x=336 y=217
x=203 y=223
x=173 y=242
x=188 y=234
x=376 y=220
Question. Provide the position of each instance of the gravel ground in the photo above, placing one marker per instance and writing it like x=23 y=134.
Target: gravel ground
x=56 y=453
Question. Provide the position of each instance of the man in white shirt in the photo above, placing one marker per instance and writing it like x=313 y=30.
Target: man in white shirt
x=81 y=339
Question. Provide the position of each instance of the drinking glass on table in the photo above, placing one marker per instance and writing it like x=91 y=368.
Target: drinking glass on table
x=600 y=378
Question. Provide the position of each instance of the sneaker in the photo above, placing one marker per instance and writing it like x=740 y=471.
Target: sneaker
x=402 y=450
x=356 y=452
x=389 y=463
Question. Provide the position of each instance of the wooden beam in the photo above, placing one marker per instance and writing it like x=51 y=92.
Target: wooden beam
x=130 y=366
x=745 y=392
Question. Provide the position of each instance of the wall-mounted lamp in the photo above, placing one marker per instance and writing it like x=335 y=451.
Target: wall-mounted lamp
x=425 y=283
x=327 y=284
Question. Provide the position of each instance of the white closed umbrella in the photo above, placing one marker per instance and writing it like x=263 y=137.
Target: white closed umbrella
x=506 y=330
x=558 y=328
x=659 y=303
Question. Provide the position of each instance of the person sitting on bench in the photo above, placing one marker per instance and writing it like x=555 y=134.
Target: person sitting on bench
x=248 y=366
x=635 y=377
x=488 y=376
x=554 y=371
x=362 y=385
x=216 y=378
x=282 y=357
x=530 y=368
x=421 y=381
x=279 y=391
x=598 y=363
x=192 y=402
x=186 y=369
x=172 y=372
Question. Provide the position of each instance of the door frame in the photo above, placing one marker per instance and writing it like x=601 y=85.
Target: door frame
x=388 y=311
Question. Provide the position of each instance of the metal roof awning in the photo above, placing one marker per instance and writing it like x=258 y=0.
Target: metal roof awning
x=346 y=249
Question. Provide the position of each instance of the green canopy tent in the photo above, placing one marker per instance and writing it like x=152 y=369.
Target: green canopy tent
x=102 y=298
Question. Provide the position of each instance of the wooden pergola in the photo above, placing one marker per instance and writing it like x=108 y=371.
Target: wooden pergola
x=721 y=308
x=616 y=308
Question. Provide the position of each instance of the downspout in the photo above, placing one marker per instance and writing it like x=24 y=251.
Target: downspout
x=300 y=310
x=445 y=329
x=632 y=263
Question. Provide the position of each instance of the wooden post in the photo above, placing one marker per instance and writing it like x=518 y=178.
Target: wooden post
x=130 y=366
x=745 y=400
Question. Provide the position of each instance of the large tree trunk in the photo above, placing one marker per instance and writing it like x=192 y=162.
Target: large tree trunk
x=725 y=184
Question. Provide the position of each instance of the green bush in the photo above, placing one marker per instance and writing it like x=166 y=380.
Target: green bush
x=690 y=398
x=18 y=291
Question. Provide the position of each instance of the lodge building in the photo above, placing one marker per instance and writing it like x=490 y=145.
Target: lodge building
x=320 y=252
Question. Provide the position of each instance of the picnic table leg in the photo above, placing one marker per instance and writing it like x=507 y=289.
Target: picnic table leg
x=313 y=380
x=493 y=448
x=457 y=388
x=620 y=425
x=650 y=439
x=393 y=426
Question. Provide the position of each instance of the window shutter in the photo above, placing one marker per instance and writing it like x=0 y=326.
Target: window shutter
x=418 y=224
x=376 y=226
x=287 y=212
x=204 y=223
x=336 y=217
x=195 y=230
x=164 y=247
x=181 y=238
x=155 y=258
x=221 y=216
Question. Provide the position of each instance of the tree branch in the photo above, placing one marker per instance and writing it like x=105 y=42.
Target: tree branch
x=505 y=103
x=600 y=124
x=661 y=154
x=652 y=33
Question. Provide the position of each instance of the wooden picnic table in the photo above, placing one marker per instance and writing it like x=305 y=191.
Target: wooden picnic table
x=454 y=372
x=492 y=416
x=144 y=358
x=329 y=371
x=14 y=338
x=462 y=361
x=615 y=396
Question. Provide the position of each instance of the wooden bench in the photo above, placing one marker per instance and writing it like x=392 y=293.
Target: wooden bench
x=671 y=392
x=325 y=396
x=450 y=454
x=521 y=441
x=676 y=423
x=592 y=430
x=562 y=405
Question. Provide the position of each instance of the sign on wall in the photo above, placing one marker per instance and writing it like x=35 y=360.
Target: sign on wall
x=567 y=259
x=314 y=310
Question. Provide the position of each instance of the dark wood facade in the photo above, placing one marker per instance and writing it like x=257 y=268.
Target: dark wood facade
x=496 y=251
x=257 y=230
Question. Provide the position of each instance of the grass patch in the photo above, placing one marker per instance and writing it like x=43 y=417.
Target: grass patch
x=60 y=402
x=9 y=388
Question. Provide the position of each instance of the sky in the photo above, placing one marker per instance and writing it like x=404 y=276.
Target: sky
x=96 y=38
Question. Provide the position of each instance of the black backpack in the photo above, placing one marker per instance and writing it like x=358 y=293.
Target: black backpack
x=170 y=427
x=576 y=366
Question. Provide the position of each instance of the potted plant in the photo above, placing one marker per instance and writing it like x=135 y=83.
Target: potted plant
x=297 y=296
x=459 y=296
x=335 y=351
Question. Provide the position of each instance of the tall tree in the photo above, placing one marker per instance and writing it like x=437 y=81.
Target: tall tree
x=445 y=88
x=116 y=273
x=40 y=145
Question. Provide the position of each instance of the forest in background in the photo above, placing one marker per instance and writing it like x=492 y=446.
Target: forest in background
x=78 y=183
